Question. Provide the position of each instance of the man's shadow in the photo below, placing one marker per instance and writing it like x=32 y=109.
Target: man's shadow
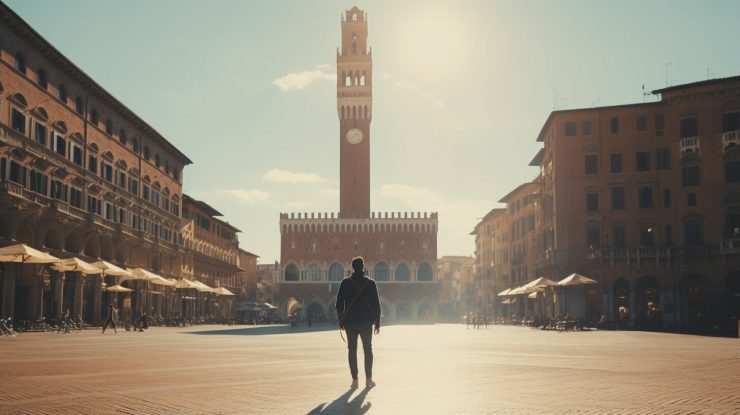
x=342 y=405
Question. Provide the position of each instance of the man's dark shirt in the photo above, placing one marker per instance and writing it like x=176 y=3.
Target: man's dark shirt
x=366 y=309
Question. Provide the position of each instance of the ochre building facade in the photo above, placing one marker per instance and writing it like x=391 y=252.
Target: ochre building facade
x=82 y=175
x=644 y=198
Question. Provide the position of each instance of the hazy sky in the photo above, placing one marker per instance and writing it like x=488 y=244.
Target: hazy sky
x=246 y=89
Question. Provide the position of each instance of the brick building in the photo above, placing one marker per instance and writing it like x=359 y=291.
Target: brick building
x=400 y=249
x=82 y=175
x=644 y=199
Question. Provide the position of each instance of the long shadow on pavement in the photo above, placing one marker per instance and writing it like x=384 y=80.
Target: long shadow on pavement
x=265 y=330
x=342 y=405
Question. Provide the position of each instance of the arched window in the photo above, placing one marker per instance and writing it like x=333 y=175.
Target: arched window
x=362 y=79
x=62 y=93
x=403 y=273
x=336 y=272
x=20 y=63
x=313 y=273
x=348 y=80
x=291 y=273
x=425 y=272
x=41 y=78
x=146 y=152
x=382 y=272
x=122 y=136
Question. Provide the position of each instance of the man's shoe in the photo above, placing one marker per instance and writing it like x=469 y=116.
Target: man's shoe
x=354 y=384
x=369 y=383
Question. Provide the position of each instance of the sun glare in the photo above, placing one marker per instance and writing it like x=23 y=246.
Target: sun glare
x=436 y=41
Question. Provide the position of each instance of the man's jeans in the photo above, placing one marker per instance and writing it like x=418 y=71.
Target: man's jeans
x=365 y=331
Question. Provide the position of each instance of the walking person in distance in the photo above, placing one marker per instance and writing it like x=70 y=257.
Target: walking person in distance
x=111 y=319
x=358 y=308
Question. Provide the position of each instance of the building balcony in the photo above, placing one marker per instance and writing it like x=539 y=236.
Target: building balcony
x=666 y=255
x=19 y=192
x=730 y=139
x=730 y=246
x=689 y=145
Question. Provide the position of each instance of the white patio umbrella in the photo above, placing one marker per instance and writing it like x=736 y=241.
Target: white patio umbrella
x=22 y=254
x=162 y=281
x=77 y=265
x=184 y=284
x=576 y=279
x=222 y=291
x=541 y=282
x=200 y=287
x=504 y=292
x=573 y=280
x=118 y=289
x=110 y=269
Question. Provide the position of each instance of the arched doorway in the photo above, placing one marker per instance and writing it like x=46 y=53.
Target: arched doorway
x=622 y=302
x=693 y=302
x=593 y=304
x=315 y=313
x=403 y=310
x=424 y=312
x=648 y=311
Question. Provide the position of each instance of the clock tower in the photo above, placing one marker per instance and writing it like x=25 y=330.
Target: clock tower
x=354 y=107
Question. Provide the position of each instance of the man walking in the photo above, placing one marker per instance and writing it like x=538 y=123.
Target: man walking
x=358 y=308
x=111 y=318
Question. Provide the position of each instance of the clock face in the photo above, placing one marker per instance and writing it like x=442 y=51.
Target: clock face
x=354 y=136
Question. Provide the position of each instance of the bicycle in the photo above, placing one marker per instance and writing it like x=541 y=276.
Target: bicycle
x=6 y=328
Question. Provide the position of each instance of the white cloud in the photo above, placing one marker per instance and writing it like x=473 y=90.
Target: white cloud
x=284 y=176
x=298 y=205
x=248 y=196
x=300 y=80
x=331 y=192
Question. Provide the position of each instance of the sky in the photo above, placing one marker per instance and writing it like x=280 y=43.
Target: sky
x=246 y=89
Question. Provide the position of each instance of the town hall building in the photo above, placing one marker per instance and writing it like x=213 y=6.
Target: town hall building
x=400 y=248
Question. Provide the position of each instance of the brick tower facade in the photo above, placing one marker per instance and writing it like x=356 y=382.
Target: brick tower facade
x=400 y=248
x=354 y=107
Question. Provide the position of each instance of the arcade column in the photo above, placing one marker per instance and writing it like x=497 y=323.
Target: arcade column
x=97 y=283
x=8 y=292
x=58 y=292
x=78 y=297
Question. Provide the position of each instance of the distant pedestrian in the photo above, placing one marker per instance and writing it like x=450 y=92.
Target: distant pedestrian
x=112 y=314
x=143 y=323
x=358 y=308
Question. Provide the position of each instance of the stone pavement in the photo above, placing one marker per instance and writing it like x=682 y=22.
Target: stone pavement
x=432 y=369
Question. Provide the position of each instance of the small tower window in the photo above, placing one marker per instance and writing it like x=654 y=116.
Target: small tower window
x=354 y=48
x=354 y=17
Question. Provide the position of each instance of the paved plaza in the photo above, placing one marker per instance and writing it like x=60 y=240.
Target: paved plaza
x=425 y=369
